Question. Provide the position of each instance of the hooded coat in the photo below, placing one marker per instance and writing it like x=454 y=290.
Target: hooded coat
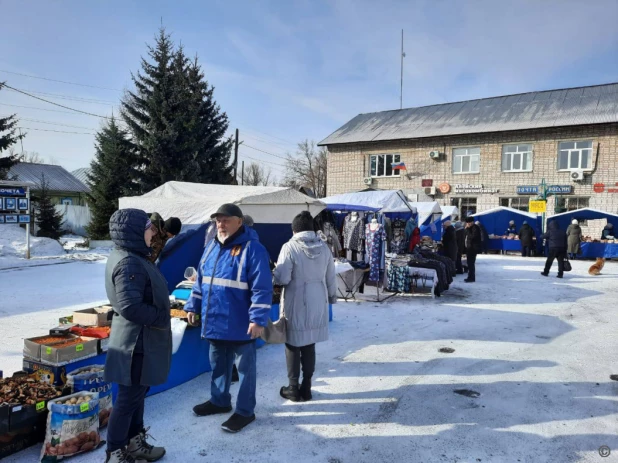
x=449 y=243
x=139 y=297
x=607 y=231
x=556 y=238
x=574 y=239
x=306 y=271
x=526 y=235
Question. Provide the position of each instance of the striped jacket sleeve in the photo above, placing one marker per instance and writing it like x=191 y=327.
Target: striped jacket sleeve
x=260 y=282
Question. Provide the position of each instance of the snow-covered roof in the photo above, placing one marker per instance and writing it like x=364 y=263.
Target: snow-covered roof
x=508 y=209
x=194 y=203
x=370 y=200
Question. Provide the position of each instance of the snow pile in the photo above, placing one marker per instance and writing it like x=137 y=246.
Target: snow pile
x=73 y=243
x=13 y=244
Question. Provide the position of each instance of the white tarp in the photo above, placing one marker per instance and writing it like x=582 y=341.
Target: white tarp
x=449 y=212
x=382 y=200
x=509 y=209
x=427 y=212
x=74 y=218
x=193 y=203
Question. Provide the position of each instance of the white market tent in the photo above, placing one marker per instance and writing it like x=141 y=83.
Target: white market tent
x=506 y=210
x=193 y=203
x=448 y=212
x=375 y=200
x=428 y=212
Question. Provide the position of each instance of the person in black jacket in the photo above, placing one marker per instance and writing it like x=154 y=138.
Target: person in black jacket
x=449 y=241
x=484 y=237
x=557 y=243
x=461 y=244
x=526 y=237
x=474 y=246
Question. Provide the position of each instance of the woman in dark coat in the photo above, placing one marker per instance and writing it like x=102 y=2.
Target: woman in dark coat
x=140 y=345
x=449 y=241
x=574 y=239
x=526 y=238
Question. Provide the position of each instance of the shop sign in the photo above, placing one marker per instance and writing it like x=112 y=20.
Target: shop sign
x=12 y=192
x=553 y=189
x=444 y=188
x=466 y=188
x=426 y=183
x=538 y=207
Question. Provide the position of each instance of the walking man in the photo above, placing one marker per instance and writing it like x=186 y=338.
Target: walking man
x=233 y=293
x=473 y=244
x=557 y=242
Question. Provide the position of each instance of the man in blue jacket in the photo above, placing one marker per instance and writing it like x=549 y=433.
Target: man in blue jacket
x=233 y=293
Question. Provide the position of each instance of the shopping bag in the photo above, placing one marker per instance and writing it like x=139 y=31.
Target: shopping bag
x=275 y=332
x=178 y=331
x=567 y=265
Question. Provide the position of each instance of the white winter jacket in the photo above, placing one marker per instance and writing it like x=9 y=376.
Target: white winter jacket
x=306 y=271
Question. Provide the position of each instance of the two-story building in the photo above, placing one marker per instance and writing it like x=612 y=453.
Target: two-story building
x=490 y=152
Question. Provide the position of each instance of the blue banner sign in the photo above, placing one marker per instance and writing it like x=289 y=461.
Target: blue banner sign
x=553 y=189
x=12 y=192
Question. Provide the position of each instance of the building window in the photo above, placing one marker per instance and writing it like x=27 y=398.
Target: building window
x=466 y=206
x=517 y=158
x=521 y=204
x=466 y=160
x=574 y=155
x=571 y=203
x=380 y=165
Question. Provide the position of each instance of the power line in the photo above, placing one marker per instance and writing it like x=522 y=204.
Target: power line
x=267 y=162
x=265 y=152
x=263 y=140
x=75 y=98
x=272 y=136
x=57 y=131
x=56 y=123
x=55 y=104
x=60 y=81
x=39 y=109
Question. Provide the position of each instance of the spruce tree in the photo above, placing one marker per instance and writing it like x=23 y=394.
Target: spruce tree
x=111 y=176
x=8 y=137
x=176 y=127
x=48 y=219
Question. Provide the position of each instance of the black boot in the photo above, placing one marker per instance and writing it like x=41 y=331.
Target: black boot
x=613 y=377
x=290 y=393
x=305 y=390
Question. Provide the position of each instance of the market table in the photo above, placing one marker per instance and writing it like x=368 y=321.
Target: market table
x=425 y=274
x=595 y=250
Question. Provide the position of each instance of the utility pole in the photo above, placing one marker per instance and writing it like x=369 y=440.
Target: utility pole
x=242 y=174
x=403 y=55
x=21 y=140
x=236 y=155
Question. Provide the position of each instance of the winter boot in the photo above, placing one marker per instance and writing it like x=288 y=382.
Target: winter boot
x=613 y=377
x=208 y=408
x=237 y=423
x=305 y=390
x=291 y=393
x=121 y=456
x=141 y=450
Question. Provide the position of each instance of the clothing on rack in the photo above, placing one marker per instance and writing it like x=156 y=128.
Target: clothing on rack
x=399 y=244
x=399 y=279
x=416 y=239
x=375 y=237
x=410 y=226
x=353 y=233
x=332 y=238
x=449 y=263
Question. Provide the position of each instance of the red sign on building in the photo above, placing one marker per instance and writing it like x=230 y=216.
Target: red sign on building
x=426 y=182
x=599 y=187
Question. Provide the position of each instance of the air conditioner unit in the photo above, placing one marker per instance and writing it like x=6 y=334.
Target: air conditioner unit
x=430 y=191
x=577 y=175
x=434 y=154
x=367 y=180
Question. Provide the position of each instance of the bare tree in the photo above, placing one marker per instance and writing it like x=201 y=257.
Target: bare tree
x=307 y=168
x=256 y=175
x=32 y=157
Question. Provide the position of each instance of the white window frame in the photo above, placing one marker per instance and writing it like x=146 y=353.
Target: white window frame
x=394 y=158
x=522 y=201
x=578 y=150
x=526 y=149
x=469 y=156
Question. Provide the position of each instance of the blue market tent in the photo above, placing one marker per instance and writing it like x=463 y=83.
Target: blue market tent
x=386 y=201
x=272 y=209
x=496 y=221
x=448 y=213
x=429 y=214
x=564 y=219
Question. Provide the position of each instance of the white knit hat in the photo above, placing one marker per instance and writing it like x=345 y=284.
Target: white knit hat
x=575 y=222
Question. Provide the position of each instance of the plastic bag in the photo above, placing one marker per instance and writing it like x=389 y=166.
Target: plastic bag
x=178 y=331
x=72 y=426
x=90 y=379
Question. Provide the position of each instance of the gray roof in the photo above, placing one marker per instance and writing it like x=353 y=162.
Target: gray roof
x=82 y=174
x=58 y=177
x=553 y=108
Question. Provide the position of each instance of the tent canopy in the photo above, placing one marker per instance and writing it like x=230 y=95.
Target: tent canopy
x=496 y=221
x=193 y=203
x=564 y=219
x=428 y=212
x=448 y=212
x=372 y=200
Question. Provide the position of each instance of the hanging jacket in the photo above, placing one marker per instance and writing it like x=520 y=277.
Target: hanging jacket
x=332 y=239
x=233 y=287
x=449 y=243
x=306 y=271
x=415 y=240
x=410 y=226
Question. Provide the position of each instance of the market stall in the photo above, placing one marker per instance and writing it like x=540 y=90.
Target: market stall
x=592 y=247
x=448 y=213
x=496 y=222
x=429 y=215
x=272 y=209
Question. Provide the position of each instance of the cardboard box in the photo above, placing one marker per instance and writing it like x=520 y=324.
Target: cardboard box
x=92 y=317
x=33 y=350
x=103 y=345
x=56 y=375
x=62 y=355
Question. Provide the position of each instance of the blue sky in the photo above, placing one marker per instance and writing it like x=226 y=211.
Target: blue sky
x=295 y=69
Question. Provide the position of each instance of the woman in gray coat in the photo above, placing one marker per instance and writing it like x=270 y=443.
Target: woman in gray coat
x=306 y=271
x=140 y=344
x=574 y=239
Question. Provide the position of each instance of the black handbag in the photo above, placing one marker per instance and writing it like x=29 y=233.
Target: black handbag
x=567 y=265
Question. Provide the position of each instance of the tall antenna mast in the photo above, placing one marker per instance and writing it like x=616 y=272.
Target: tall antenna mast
x=403 y=55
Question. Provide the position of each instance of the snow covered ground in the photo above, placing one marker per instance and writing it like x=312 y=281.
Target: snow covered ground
x=532 y=354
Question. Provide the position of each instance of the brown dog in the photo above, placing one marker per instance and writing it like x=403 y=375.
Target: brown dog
x=595 y=269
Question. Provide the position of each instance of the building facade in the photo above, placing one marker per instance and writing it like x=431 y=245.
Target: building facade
x=489 y=164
